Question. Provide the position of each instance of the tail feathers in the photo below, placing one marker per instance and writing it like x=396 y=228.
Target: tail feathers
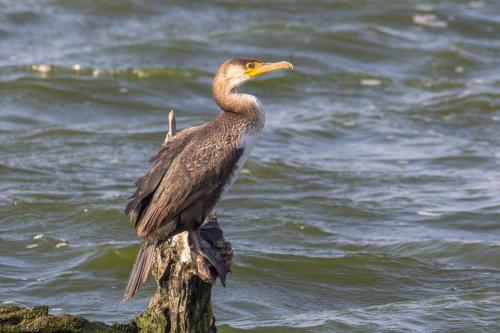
x=140 y=272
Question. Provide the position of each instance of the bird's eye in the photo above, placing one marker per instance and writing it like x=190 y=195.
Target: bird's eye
x=250 y=65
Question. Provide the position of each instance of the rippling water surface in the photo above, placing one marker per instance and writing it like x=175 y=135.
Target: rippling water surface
x=370 y=204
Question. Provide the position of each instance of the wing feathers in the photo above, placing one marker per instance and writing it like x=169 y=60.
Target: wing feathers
x=147 y=184
x=192 y=169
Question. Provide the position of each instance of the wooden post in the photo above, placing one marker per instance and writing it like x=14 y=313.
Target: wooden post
x=182 y=300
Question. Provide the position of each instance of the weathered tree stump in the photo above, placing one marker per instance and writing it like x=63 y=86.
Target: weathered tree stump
x=184 y=284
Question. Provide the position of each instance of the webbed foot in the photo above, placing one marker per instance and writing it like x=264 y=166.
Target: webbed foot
x=202 y=248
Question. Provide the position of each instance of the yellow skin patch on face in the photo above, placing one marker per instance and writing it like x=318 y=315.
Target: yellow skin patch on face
x=254 y=69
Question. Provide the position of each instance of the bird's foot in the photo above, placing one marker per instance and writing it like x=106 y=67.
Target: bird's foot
x=202 y=252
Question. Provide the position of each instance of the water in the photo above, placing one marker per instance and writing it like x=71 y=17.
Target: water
x=370 y=204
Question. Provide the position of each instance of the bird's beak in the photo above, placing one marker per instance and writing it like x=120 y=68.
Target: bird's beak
x=267 y=67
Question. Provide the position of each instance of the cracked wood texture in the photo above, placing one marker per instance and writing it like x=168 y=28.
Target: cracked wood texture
x=184 y=284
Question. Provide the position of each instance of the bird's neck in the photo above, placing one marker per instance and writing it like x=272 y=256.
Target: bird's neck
x=230 y=100
x=244 y=106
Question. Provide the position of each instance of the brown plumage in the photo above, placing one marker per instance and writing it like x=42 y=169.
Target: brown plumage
x=191 y=172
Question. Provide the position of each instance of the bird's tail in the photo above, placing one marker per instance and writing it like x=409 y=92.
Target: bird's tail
x=141 y=269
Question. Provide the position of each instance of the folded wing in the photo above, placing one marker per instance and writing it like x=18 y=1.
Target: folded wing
x=190 y=170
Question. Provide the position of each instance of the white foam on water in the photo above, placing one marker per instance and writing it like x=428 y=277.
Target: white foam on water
x=427 y=213
x=429 y=20
x=41 y=68
x=371 y=82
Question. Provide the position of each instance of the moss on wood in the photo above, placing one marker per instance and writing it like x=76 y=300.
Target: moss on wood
x=15 y=319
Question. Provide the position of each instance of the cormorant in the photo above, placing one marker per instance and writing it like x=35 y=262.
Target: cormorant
x=193 y=170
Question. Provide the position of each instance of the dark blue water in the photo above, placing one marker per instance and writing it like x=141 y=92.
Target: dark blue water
x=370 y=204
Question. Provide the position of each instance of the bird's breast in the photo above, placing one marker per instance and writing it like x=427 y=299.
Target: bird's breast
x=246 y=144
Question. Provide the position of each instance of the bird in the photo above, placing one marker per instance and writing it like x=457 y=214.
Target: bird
x=193 y=170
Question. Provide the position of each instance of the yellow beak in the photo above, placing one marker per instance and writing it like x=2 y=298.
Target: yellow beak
x=267 y=67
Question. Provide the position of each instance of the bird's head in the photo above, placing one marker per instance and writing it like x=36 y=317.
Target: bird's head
x=233 y=73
